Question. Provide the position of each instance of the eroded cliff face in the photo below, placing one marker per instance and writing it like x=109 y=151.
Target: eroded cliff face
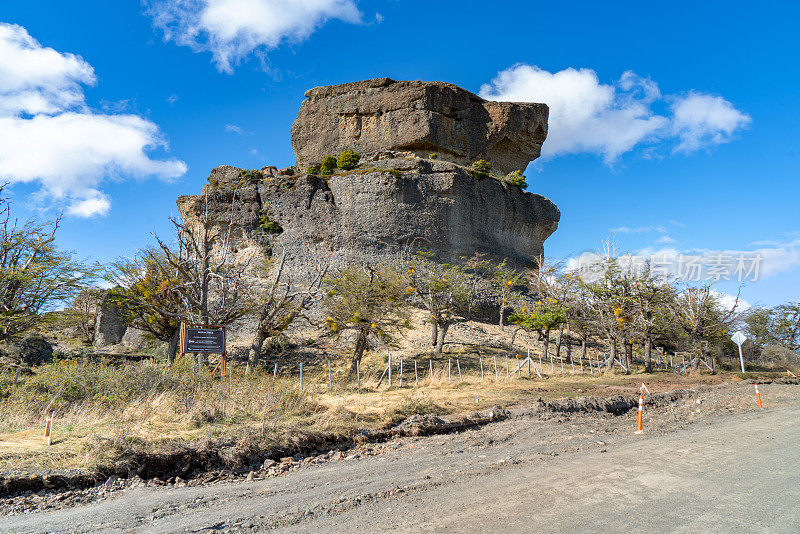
x=418 y=117
x=374 y=213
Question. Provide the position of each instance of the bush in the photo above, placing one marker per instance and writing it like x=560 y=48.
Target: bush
x=348 y=160
x=480 y=168
x=516 y=178
x=269 y=226
x=34 y=349
x=252 y=176
x=314 y=169
x=328 y=165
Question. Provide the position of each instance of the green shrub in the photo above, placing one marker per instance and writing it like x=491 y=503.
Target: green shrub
x=314 y=169
x=480 y=168
x=348 y=160
x=34 y=349
x=516 y=178
x=328 y=165
x=269 y=226
x=433 y=155
x=252 y=175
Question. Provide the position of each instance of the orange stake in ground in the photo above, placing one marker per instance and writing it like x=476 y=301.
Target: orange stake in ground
x=641 y=408
x=758 y=395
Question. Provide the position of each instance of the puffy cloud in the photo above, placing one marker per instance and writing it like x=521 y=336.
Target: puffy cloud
x=234 y=29
x=611 y=119
x=701 y=120
x=49 y=136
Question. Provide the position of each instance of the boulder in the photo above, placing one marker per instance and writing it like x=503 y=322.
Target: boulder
x=418 y=117
x=109 y=324
x=34 y=349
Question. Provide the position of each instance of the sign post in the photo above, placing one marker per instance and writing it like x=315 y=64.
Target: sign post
x=205 y=339
x=739 y=338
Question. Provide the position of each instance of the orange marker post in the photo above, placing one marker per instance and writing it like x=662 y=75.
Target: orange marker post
x=48 y=429
x=758 y=395
x=641 y=409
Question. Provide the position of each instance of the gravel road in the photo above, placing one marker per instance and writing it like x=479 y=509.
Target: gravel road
x=710 y=462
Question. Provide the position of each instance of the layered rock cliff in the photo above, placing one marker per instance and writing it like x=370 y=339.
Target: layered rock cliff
x=374 y=212
x=418 y=117
x=412 y=188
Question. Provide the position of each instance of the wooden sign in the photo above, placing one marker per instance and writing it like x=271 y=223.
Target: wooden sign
x=204 y=339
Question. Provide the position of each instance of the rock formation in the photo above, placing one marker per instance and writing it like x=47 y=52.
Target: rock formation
x=418 y=117
x=413 y=188
x=374 y=212
x=109 y=325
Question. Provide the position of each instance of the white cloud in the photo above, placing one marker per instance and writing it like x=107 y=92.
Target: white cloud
x=639 y=230
x=172 y=99
x=234 y=129
x=665 y=239
x=49 y=136
x=98 y=205
x=729 y=301
x=611 y=119
x=234 y=29
x=701 y=120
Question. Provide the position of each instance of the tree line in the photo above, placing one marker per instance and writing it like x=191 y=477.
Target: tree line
x=195 y=277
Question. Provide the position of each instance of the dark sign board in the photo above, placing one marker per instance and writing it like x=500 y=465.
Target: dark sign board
x=205 y=340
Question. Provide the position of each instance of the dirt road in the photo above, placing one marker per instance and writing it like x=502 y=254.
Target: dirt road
x=712 y=462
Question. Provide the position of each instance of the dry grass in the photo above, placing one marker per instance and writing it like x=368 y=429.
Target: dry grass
x=101 y=410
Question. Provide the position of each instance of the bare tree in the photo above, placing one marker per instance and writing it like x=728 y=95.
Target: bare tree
x=282 y=302
x=703 y=318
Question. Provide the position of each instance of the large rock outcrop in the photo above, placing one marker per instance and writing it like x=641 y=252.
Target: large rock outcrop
x=374 y=213
x=418 y=117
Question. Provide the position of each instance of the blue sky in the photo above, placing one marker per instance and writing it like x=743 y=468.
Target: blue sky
x=215 y=82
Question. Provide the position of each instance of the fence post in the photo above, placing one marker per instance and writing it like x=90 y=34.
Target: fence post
x=401 y=372
x=415 y=373
x=358 y=373
x=519 y=371
x=430 y=370
x=330 y=377
x=458 y=364
x=552 y=369
x=390 y=369
x=448 y=370
x=274 y=375
x=482 y=380
x=301 y=376
x=506 y=365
